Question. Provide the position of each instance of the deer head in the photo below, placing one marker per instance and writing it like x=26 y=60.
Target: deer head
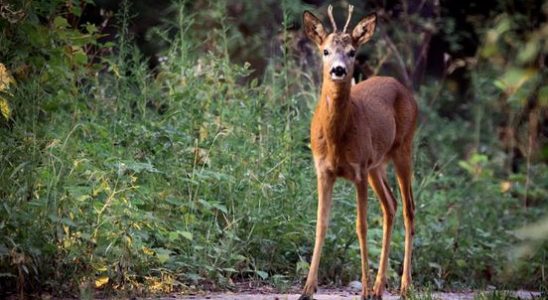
x=338 y=48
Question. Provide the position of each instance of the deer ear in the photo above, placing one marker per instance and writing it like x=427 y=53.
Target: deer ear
x=364 y=30
x=313 y=28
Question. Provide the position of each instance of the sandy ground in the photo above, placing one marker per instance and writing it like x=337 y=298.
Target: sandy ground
x=338 y=295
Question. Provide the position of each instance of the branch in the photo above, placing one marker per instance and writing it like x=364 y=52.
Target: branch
x=401 y=64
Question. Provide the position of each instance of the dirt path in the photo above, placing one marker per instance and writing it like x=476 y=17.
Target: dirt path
x=340 y=295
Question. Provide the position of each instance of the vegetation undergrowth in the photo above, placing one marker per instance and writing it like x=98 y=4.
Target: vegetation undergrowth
x=119 y=178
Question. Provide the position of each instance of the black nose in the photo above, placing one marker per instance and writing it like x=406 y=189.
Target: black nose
x=339 y=71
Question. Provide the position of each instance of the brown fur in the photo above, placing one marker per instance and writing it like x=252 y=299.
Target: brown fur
x=355 y=132
x=366 y=125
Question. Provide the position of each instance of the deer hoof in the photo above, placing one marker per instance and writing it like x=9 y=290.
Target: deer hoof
x=305 y=297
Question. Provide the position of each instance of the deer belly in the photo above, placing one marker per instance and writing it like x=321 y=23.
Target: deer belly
x=350 y=171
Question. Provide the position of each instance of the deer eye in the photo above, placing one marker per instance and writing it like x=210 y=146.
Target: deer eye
x=352 y=53
x=325 y=52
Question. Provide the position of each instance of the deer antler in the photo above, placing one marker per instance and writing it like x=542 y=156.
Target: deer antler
x=330 y=14
x=350 y=9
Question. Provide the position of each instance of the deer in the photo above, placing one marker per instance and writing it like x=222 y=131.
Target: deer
x=356 y=131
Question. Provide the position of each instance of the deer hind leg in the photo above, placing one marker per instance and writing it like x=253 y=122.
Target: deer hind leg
x=377 y=180
x=361 y=230
x=403 y=165
x=325 y=190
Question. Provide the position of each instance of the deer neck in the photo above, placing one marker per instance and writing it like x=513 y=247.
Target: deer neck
x=335 y=112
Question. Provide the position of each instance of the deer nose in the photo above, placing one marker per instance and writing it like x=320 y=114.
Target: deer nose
x=338 y=71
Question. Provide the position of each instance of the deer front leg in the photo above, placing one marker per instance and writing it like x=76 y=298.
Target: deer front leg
x=361 y=229
x=377 y=180
x=325 y=190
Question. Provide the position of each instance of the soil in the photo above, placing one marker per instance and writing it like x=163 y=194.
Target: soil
x=340 y=294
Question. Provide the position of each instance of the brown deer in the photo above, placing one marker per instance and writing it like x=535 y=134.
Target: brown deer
x=356 y=130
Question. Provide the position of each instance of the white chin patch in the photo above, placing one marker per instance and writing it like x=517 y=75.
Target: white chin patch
x=336 y=78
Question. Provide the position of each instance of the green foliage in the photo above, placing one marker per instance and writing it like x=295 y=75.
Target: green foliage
x=115 y=177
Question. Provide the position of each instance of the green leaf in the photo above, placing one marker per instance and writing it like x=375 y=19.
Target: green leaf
x=134 y=166
x=220 y=207
x=262 y=274
x=68 y=222
x=173 y=236
x=60 y=22
x=529 y=52
x=187 y=235
x=435 y=265
x=98 y=205
x=231 y=270
x=162 y=254
x=76 y=10
x=80 y=57
x=91 y=28
x=513 y=79
x=174 y=201
x=193 y=276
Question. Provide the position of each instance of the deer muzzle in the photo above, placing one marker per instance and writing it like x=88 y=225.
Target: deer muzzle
x=338 y=72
